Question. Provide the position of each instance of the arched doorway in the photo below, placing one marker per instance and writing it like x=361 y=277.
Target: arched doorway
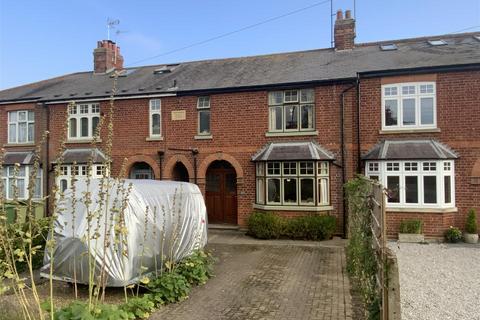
x=141 y=170
x=221 y=193
x=180 y=172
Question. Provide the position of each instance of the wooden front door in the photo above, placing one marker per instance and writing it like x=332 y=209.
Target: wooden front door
x=221 y=193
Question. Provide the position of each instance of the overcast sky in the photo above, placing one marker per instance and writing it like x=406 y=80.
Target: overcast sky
x=43 y=39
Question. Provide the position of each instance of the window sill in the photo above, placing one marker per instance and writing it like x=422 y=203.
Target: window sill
x=408 y=130
x=292 y=208
x=203 y=137
x=159 y=138
x=422 y=210
x=29 y=144
x=83 y=141
x=291 y=134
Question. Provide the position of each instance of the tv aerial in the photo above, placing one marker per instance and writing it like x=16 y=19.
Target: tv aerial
x=111 y=24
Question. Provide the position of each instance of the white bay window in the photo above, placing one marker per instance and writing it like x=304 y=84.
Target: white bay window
x=69 y=171
x=16 y=182
x=415 y=184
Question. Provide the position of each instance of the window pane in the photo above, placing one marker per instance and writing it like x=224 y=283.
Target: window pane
x=63 y=185
x=306 y=168
x=31 y=116
x=291 y=117
x=411 y=189
x=260 y=191
x=95 y=121
x=12 y=133
x=290 y=168
x=31 y=132
x=393 y=186
x=291 y=96
x=306 y=187
x=260 y=169
x=22 y=132
x=12 y=116
x=73 y=128
x=37 y=192
x=204 y=122
x=273 y=168
x=275 y=97
x=84 y=127
x=21 y=188
x=156 y=124
x=22 y=115
x=448 y=189
x=307 y=95
x=274 y=190
x=430 y=189
x=322 y=191
x=408 y=111
x=307 y=116
x=290 y=191
x=276 y=118
x=391 y=111
x=426 y=110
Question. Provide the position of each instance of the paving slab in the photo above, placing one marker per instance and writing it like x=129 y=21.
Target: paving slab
x=277 y=279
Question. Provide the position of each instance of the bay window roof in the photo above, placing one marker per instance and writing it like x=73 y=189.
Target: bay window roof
x=20 y=157
x=283 y=151
x=409 y=149
x=83 y=155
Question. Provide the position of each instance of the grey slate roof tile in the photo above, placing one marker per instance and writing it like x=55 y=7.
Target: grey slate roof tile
x=409 y=149
x=284 y=151
x=273 y=69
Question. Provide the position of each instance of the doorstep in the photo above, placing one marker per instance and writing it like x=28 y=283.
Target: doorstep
x=215 y=226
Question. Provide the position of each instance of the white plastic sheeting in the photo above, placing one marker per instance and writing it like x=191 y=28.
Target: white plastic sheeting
x=160 y=221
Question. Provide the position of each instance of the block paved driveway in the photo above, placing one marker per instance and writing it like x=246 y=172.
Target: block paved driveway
x=270 y=280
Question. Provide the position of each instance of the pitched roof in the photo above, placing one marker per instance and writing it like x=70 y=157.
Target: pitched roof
x=281 y=151
x=21 y=157
x=254 y=71
x=409 y=149
x=83 y=156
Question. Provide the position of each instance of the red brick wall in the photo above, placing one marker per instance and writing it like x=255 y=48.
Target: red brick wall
x=458 y=96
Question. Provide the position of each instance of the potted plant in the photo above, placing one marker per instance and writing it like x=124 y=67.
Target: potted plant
x=471 y=229
x=453 y=235
x=411 y=231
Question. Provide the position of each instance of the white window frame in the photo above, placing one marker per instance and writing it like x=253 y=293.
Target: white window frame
x=17 y=122
x=66 y=171
x=284 y=105
x=9 y=169
x=203 y=105
x=319 y=175
x=440 y=172
x=75 y=112
x=417 y=97
x=153 y=105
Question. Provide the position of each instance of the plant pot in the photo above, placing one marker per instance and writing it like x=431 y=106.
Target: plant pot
x=411 y=237
x=470 y=237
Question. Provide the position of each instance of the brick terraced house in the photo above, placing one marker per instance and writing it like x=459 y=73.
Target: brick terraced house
x=280 y=132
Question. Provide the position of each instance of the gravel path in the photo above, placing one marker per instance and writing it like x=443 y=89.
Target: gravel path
x=439 y=281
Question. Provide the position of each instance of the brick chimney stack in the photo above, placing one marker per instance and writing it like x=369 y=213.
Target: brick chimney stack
x=106 y=56
x=344 y=32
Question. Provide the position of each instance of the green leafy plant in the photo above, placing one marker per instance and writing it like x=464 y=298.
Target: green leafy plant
x=197 y=268
x=81 y=311
x=453 y=235
x=471 y=224
x=272 y=226
x=169 y=287
x=411 y=226
x=139 y=307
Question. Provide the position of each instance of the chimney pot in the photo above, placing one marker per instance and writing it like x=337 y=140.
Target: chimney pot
x=348 y=14
x=107 y=56
x=339 y=15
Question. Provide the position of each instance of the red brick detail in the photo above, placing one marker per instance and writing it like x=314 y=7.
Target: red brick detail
x=202 y=171
x=107 y=56
x=172 y=161
x=344 y=32
x=142 y=158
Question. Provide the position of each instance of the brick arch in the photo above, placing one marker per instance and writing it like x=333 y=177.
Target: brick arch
x=202 y=170
x=172 y=161
x=142 y=158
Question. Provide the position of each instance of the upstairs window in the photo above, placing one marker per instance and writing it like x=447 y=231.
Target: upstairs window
x=155 y=118
x=409 y=106
x=203 y=107
x=83 y=120
x=21 y=126
x=291 y=110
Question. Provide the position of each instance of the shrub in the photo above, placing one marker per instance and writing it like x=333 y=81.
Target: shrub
x=453 y=235
x=265 y=225
x=272 y=226
x=411 y=226
x=80 y=310
x=139 y=307
x=471 y=224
